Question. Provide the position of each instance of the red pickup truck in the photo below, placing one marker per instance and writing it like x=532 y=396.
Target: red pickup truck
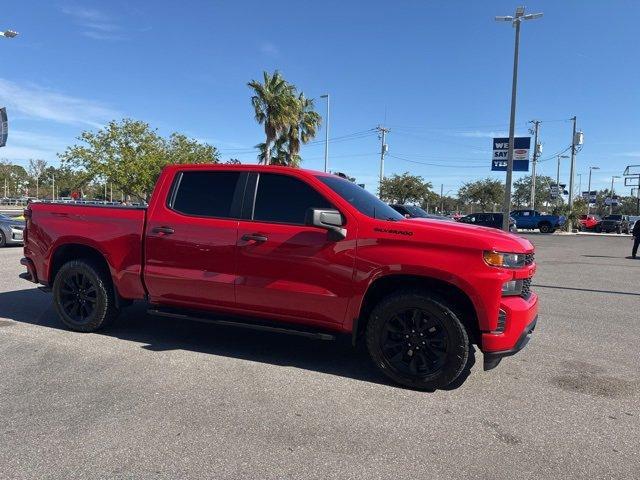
x=296 y=251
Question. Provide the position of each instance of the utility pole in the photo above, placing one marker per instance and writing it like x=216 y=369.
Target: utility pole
x=326 y=136
x=383 y=150
x=516 y=21
x=53 y=187
x=441 y=198
x=573 y=164
x=536 y=126
x=591 y=169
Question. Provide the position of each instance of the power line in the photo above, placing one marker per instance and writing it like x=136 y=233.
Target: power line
x=435 y=164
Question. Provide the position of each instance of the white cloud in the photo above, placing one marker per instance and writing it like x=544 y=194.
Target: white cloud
x=268 y=48
x=40 y=103
x=95 y=23
x=630 y=154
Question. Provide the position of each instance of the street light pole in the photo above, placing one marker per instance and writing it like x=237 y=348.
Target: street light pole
x=516 y=21
x=573 y=163
x=326 y=135
x=558 y=173
x=589 y=188
x=613 y=177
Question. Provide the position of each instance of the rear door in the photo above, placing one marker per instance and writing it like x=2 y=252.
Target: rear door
x=191 y=240
x=285 y=268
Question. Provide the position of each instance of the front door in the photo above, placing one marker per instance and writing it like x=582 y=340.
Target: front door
x=191 y=241
x=286 y=269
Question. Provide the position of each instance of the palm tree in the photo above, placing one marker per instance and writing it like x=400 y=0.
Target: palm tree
x=275 y=107
x=304 y=129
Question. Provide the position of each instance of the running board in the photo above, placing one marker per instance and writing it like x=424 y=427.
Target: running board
x=241 y=324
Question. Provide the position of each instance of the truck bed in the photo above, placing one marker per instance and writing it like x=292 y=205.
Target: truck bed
x=115 y=231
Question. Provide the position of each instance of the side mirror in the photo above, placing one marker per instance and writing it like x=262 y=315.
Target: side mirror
x=330 y=220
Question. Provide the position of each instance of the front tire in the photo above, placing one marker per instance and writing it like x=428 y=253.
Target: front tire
x=83 y=296
x=3 y=240
x=416 y=340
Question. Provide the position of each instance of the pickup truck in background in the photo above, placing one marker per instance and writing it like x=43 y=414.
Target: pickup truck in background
x=293 y=251
x=532 y=220
x=615 y=223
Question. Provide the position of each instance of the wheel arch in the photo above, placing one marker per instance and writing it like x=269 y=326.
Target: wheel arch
x=456 y=299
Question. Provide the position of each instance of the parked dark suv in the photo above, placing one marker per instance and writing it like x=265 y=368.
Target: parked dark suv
x=615 y=223
x=491 y=219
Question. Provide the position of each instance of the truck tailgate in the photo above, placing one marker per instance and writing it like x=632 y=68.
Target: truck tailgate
x=114 y=232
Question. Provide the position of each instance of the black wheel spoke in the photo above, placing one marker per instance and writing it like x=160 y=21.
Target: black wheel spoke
x=78 y=296
x=415 y=342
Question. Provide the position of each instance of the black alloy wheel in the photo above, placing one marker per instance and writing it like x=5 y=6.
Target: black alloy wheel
x=83 y=295
x=415 y=343
x=417 y=340
x=78 y=297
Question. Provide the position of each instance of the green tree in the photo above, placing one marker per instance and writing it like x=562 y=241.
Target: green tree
x=485 y=193
x=14 y=177
x=131 y=155
x=404 y=188
x=522 y=191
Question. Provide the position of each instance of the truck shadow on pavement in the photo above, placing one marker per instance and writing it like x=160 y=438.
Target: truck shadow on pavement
x=160 y=334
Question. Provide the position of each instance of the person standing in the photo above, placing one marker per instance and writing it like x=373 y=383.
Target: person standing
x=636 y=238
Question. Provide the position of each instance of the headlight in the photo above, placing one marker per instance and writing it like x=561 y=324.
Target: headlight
x=512 y=287
x=505 y=260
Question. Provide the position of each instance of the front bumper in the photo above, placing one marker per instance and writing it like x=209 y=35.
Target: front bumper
x=492 y=359
x=521 y=317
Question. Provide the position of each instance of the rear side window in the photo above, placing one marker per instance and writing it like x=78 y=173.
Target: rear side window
x=205 y=194
x=284 y=199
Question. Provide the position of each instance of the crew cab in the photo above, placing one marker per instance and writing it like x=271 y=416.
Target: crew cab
x=532 y=219
x=291 y=250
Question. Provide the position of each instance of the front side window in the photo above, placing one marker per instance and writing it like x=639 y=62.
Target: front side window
x=363 y=201
x=205 y=194
x=285 y=199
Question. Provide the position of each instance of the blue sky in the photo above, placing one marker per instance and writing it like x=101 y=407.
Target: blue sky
x=437 y=73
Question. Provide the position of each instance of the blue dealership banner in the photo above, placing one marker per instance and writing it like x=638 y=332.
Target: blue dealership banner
x=521 y=146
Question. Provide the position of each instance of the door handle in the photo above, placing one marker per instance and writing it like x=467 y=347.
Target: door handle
x=165 y=230
x=256 y=237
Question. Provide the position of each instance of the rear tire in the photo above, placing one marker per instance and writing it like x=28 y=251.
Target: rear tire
x=3 y=240
x=83 y=296
x=416 y=340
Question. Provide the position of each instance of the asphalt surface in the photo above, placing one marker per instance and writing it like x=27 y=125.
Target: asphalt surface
x=159 y=398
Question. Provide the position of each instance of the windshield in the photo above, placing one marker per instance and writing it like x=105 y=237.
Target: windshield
x=364 y=201
x=416 y=211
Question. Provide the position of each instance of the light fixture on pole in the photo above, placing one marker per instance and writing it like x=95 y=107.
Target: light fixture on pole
x=515 y=21
x=9 y=34
x=589 y=188
x=326 y=135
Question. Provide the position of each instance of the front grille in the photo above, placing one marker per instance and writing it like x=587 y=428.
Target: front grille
x=502 y=321
x=528 y=258
x=526 y=289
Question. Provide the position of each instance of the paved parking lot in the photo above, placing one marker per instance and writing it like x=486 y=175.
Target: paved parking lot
x=157 y=398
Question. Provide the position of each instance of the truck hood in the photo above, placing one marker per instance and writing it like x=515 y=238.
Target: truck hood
x=463 y=235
